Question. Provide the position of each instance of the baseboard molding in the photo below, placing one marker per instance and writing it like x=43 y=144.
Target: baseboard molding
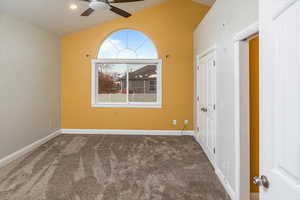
x=127 y=132
x=218 y=172
x=225 y=183
x=254 y=196
x=6 y=160
x=212 y=161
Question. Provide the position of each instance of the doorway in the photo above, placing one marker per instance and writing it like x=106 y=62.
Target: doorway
x=254 y=113
x=246 y=46
x=206 y=103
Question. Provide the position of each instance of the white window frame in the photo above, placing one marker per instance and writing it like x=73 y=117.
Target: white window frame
x=94 y=84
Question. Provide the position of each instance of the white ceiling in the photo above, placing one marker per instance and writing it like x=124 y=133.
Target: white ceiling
x=55 y=15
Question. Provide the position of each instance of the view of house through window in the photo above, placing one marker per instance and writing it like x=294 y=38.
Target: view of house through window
x=115 y=81
x=127 y=71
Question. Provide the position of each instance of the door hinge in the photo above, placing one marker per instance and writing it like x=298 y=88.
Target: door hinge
x=214 y=150
x=198 y=98
x=214 y=106
x=214 y=63
x=198 y=129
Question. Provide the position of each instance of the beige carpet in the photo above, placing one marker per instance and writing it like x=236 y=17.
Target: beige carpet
x=95 y=167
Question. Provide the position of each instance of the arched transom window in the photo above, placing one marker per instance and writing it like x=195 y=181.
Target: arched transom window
x=127 y=72
x=128 y=44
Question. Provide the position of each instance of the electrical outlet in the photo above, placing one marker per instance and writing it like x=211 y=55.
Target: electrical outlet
x=186 y=122
x=174 y=122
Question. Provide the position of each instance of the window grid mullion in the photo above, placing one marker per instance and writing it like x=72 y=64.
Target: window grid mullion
x=127 y=87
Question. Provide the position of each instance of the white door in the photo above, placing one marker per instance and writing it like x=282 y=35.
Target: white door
x=211 y=104
x=206 y=106
x=280 y=99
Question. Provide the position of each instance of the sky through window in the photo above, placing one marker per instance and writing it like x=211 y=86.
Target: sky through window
x=127 y=44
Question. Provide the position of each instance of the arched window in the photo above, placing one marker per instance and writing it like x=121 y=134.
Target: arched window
x=127 y=44
x=127 y=72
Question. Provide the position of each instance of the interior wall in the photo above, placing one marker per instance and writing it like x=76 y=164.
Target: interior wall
x=224 y=20
x=170 y=25
x=254 y=110
x=29 y=84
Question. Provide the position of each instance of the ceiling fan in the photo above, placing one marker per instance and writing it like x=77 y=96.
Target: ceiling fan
x=106 y=4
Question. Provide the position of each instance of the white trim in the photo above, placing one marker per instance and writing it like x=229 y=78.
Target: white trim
x=225 y=183
x=241 y=111
x=242 y=123
x=208 y=155
x=237 y=116
x=8 y=159
x=127 y=132
x=127 y=61
x=254 y=196
x=207 y=51
x=210 y=51
x=94 y=85
x=131 y=105
x=247 y=32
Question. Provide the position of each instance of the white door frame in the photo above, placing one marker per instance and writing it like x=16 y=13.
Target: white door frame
x=242 y=111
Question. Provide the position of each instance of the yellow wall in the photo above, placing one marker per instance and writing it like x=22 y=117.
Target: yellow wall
x=170 y=25
x=254 y=110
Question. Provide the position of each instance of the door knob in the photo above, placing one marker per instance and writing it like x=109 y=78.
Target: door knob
x=261 y=181
x=204 y=109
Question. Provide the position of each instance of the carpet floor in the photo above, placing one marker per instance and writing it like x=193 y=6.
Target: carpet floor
x=106 y=167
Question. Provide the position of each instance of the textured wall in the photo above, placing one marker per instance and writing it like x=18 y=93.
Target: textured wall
x=224 y=20
x=170 y=25
x=29 y=84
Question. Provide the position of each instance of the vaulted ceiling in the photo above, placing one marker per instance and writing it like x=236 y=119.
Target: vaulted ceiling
x=57 y=17
x=206 y=2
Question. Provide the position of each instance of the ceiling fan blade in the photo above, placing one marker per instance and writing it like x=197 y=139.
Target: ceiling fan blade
x=86 y=0
x=119 y=11
x=124 y=1
x=87 y=12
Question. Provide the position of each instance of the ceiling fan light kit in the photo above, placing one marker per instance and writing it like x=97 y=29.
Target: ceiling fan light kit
x=105 y=5
x=98 y=5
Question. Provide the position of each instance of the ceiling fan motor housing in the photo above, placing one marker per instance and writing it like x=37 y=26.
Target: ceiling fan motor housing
x=99 y=5
x=106 y=5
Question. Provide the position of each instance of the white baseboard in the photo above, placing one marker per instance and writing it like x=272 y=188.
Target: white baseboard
x=127 y=132
x=6 y=160
x=208 y=155
x=218 y=172
x=254 y=196
x=225 y=183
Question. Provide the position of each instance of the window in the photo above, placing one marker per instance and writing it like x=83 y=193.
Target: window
x=127 y=72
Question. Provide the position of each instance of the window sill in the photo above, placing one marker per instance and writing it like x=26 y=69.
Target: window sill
x=126 y=105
